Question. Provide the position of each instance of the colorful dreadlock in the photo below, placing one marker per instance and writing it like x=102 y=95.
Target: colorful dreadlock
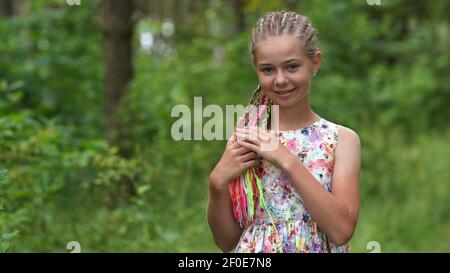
x=246 y=190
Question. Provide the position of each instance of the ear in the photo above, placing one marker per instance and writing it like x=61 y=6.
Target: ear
x=317 y=61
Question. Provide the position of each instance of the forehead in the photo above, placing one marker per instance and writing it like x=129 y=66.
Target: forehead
x=275 y=50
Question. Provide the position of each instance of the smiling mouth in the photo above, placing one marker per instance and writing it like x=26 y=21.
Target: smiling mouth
x=282 y=93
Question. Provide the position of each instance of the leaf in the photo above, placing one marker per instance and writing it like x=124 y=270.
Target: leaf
x=142 y=189
x=9 y=236
x=3 y=177
x=4 y=247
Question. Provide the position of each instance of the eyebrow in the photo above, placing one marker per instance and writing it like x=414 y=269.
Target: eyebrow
x=288 y=61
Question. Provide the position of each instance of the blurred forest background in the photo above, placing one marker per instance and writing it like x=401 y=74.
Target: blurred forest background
x=86 y=93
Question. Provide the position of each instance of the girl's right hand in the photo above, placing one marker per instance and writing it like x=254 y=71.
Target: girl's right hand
x=235 y=160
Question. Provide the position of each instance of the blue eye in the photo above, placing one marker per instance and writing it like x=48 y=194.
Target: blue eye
x=292 y=67
x=266 y=70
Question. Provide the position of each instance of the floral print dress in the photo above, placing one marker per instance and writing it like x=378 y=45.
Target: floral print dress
x=291 y=228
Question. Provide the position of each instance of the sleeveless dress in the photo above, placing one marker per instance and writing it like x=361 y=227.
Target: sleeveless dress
x=291 y=228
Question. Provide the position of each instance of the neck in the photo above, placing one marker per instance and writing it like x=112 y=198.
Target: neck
x=297 y=116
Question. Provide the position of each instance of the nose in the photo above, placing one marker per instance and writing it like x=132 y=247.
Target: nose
x=281 y=78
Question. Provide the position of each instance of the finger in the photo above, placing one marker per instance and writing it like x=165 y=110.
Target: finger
x=254 y=133
x=249 y=164
x=248 y=156
x=240 y=150
x=263 y=134
x=231 y=140
x=234 y=145
x=260 y=133
x=248 y=145
x=246 y=130
x=248 y=137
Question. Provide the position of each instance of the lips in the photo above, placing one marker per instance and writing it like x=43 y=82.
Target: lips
x=284 y=92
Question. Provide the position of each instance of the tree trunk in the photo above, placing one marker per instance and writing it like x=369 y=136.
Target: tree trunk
x=237 y=6
x=6 y=8
x=118 y=31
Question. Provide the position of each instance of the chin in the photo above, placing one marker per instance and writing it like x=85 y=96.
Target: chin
x=285 y=104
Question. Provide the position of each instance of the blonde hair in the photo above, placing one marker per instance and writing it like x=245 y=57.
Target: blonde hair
x=279 y=23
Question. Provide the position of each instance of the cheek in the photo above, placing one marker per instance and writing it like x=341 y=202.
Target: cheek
x=303 y=79
x=266 y=85
x=265 y=81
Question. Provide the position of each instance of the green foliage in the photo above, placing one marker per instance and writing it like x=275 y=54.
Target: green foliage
x=384 y=74
x=404 y=192
x=54 y=55
x=5 y=238
x=51 y=170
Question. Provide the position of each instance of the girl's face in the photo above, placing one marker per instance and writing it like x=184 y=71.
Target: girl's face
x=284 y=69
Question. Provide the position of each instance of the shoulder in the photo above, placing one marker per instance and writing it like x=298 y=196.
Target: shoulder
x=348 y=136
x=348 y=145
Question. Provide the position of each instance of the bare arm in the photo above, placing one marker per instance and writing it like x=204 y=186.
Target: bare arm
x=225 y=229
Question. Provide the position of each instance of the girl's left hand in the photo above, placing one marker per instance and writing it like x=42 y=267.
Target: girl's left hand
x=266 y=144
